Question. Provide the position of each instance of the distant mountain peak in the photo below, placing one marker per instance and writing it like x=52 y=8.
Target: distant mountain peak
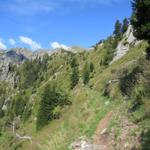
x=22 y=51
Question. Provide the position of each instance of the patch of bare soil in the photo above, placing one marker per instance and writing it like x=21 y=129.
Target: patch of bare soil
x=102 y=140
x=101 y=137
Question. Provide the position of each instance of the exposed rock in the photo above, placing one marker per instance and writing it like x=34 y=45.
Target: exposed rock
x=83 y=144
x=4 y=107
x=124 y=44
x=113 y=81
x=104 y=131
x=40 y=53
x=76 y=49
x=17 y=56
x=22 y=52
x=73 y=49
x=9 y=59
x=19 y=137
x=126 y=145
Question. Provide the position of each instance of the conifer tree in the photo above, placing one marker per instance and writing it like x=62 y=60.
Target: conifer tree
x=125 y=25
x=117 y=31
x=73 y=62
x=44 y=115
x=141 y=21
x=50 y=99
x=91 y=67
x=74 y=77
x=86 y=73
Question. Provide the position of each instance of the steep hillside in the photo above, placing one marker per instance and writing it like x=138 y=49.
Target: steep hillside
x=77 y=100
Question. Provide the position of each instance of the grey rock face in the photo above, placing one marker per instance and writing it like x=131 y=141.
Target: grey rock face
x=83 y=144
x=124 y=44
x=7 y=60
x=16 y=56
x=22 y=53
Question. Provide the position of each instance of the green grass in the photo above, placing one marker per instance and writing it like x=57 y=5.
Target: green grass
x=125 y=62
x=88 y=105
x=81 y=119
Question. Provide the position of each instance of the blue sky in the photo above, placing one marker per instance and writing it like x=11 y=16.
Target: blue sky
x=52 y=23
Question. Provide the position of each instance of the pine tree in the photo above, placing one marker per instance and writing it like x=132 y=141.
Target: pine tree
x=2 y=98
x=125 y=25
x=50 y=99
x=117 y=31
x=86 y=74
x=19 y=103
x=141 y=21
x=74 y=77
x=73 y=62
x=91 y=67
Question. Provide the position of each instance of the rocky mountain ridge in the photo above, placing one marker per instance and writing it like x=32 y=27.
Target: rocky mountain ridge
x=99 y=110
x=17 y=56
x=24 y=53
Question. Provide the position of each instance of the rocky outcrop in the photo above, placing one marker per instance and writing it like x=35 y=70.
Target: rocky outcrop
x=19 y=137
x=83 y=144
x=40 y=53
x=21 y=52
x=16 y=56
x=9 y=59
x=124 y=44
x=76 y=49
x=5 y=68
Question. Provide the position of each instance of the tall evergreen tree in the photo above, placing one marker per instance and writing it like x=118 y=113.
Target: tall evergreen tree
x=50 y=99
x=91 y=67
x=74 y=77
x=117 y=31
x=2 y=98
x=125 y=25
x=86 y=73
x=141 y=21
x=73 y=62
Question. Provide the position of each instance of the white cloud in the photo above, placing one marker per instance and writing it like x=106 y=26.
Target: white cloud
x=28 y=41
x=56 y=45
x=2 y=45
x=12 y=41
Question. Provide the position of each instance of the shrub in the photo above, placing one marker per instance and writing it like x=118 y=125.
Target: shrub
x=129 y=80
x=27 y=112
x=145 y=140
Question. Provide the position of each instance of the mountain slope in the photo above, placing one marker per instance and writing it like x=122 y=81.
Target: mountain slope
x=121 y=87
x=88 y=108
